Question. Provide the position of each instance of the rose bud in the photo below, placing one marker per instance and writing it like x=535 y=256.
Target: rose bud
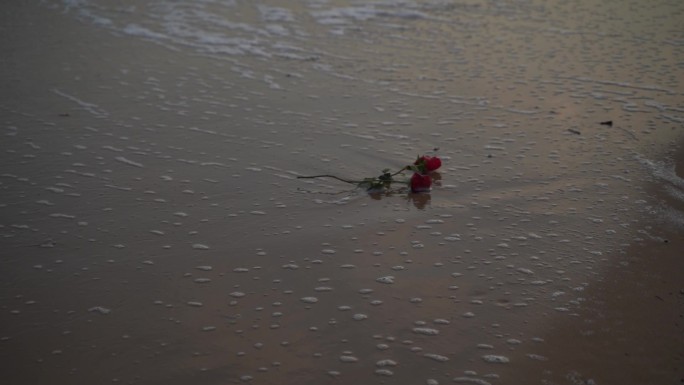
x=432 y=163
x=428 y=163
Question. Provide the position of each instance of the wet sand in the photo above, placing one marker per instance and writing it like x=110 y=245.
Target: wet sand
x=153 y=229
x=630 y=326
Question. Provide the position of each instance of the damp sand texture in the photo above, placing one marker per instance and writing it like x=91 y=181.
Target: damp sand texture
x=153 y=229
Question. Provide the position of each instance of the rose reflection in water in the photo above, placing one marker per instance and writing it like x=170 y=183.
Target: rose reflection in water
x=420 y=200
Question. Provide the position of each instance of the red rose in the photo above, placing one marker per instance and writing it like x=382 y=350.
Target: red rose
x=432 y=163
x=420 y=182
x=429 y=163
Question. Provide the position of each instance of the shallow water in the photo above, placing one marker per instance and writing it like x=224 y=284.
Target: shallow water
x=154 y=231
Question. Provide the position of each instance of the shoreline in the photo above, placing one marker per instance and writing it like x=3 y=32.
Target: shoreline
x=629 y=328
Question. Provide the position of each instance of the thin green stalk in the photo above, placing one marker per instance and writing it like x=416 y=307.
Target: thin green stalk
x=386 y=178
x=331 y=176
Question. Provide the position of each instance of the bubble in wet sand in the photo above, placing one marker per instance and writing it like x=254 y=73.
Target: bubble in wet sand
x=348 y=359
x=470 y=380
x=100 y=309
x=384 y=372
x=426 y=331
x=436 y=357
x=309 y=299
x=386 y=280
x=495 y=359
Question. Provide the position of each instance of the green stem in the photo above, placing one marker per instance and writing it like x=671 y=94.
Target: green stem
x=356 y=182
x=330 y=176
x=399 y=172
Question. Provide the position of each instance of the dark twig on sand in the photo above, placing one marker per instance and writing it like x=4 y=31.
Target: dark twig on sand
x=609 y=123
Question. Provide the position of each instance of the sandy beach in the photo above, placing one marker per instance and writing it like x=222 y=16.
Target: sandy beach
x=154 y=229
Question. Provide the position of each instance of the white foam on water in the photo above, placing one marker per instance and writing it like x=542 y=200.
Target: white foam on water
x=663 y=171
x=269 y=13
x=129 y=162
x=673 y=185
x=136 y=30
x=90 y=107
x=199 y=26
x=230 y=29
